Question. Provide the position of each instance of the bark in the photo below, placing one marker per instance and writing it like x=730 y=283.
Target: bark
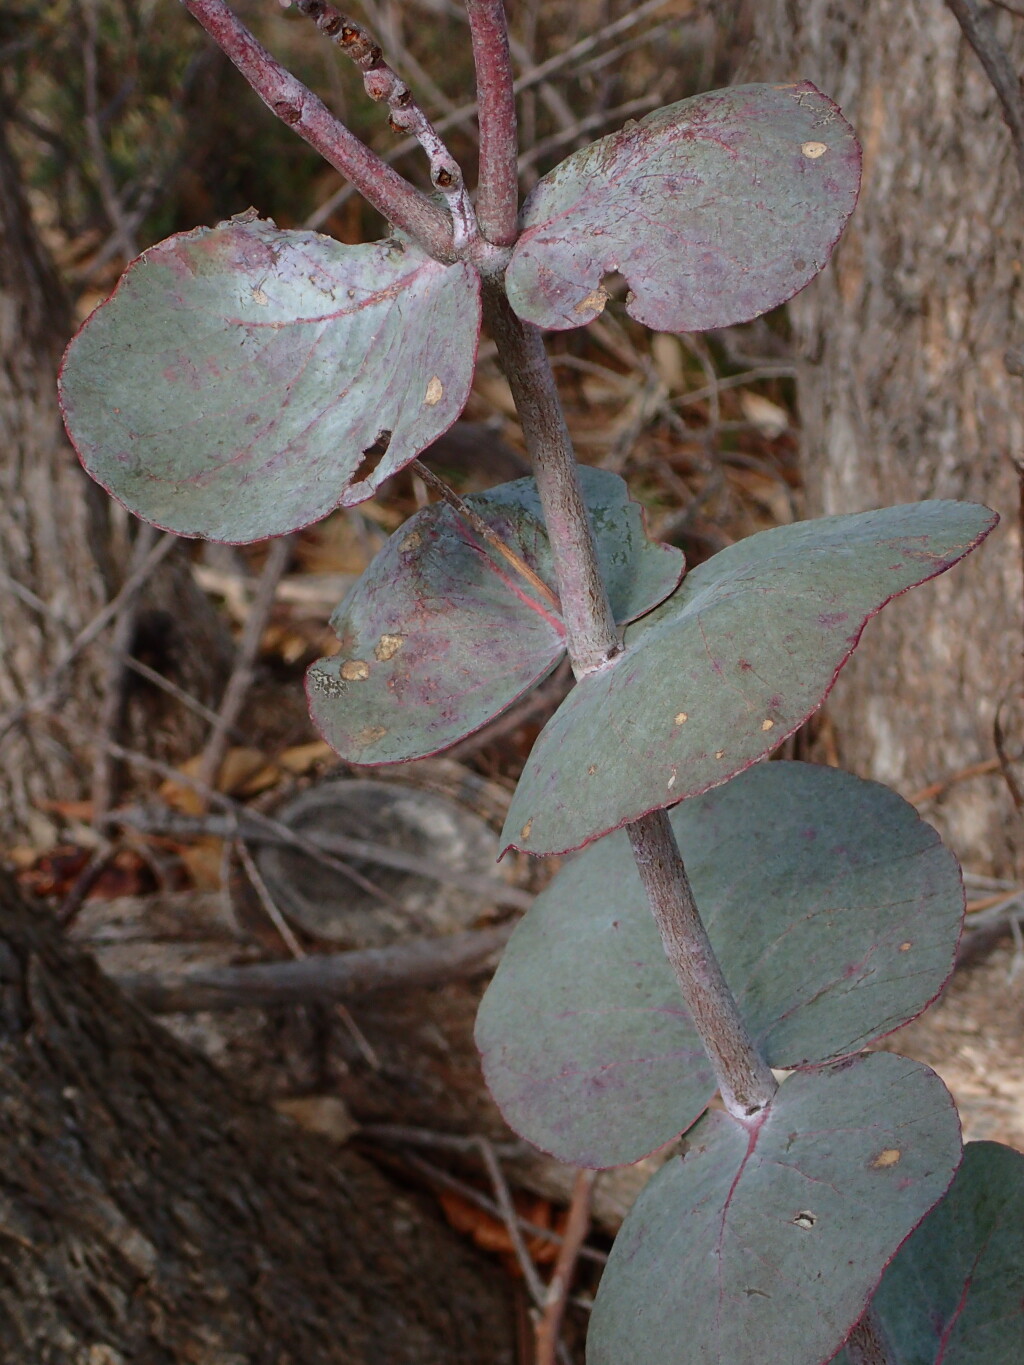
x=62 y=556
x=54 y=528
x=904 y=393
x=150 y=1214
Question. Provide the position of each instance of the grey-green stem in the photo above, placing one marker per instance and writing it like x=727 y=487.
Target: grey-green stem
x=591 y=634
x=744 y=1077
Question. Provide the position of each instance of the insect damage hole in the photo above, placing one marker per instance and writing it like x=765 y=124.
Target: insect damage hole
x=372 y=456
x=804 y=1219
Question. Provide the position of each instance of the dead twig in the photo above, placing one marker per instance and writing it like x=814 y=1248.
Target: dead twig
x=296 y=949
x=535 y=76
x=321 y=979
x=1005 y=761
x=978 y=29
x=112 y=707
x=172 y=822
x=235 y=809
x=94 y=869
x=111 y=199
x=404 y=114
x=87 y=635
x=438 y=1176
x=939 y=788
x=240 y=681
x=503 y=1195
x=557 y=1297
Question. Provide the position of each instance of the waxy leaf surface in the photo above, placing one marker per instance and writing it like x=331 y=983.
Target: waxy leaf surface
x=714 y=209
x=764 y=1243
x=726 y=668
x=441 y=633
x=232 y=383
x=954 y=1295
x=833 y=909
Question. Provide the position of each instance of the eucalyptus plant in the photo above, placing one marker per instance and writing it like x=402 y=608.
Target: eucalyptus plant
x=728 y=922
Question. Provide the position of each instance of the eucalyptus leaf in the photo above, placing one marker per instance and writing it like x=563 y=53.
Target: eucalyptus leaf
x=725 y=669
x=715 y=210
x=241 y=380
x=441 y=633
x=833 y=909
x=954 y=1294
x=764 y=1242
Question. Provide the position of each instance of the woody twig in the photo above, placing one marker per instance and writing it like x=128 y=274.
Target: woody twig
x=404 y=115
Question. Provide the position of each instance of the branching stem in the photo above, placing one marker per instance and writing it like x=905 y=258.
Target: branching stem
x=498 y=184
x=294 y=104
x=404 y=114
x=743 y=1075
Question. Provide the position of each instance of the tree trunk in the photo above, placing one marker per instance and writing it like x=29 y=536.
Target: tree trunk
x=150 y=1215
x=55 y=564
x=62 y=557
x=904 y=393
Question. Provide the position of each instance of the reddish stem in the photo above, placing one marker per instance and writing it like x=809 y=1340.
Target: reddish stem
x=297 y=106
x=497 y=199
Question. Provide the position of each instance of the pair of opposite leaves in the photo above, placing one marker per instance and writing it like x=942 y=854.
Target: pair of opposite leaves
x=235 y=382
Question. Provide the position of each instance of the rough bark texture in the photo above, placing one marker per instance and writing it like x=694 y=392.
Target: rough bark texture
x=53 y=527
x=62 y=556
x=903 y=389
x=150 y=1215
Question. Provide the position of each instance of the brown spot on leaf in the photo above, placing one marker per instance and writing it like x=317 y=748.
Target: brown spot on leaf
x=434 y=393
x=413 y=541
x=890 y=1156
x=681 y=718
x=387 y=647
x=812 y=150
x=767 y=725
x=355 y=670
x=259 y=297
x=719 y=753
x=592 y=770
x=369 y=735
x=906 y=947
x=524 y=833
x=594 y=302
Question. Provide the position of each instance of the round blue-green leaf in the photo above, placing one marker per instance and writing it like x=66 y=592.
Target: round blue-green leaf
x=954 y=1295
x=441 y=634
x=241 y=381
x=726 y=668
x=833 y=909
x=763 y=1243
x=714 y=209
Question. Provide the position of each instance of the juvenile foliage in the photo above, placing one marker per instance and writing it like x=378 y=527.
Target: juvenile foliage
x=441 y=634
x=244 y=381
x=833 y=909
